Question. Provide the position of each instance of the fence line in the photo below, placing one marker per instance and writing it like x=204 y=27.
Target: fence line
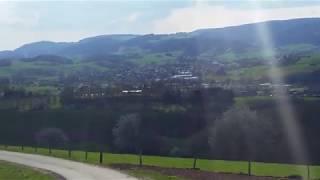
x=250 y=166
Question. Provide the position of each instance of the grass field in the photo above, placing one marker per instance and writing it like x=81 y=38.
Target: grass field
x=17 y=172
x=258 y=168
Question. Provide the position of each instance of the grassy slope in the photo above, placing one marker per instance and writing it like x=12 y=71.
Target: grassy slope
x=305 y=65
x=17 y=172
x=260 y=169
x=254 y=99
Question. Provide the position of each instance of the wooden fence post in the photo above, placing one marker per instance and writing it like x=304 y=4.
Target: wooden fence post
x=308 y=172
x=140 y=158
x=69 y=152
x=195 y=162
x=50 y=151
x=249 y=167
x=101 y=157
x=86 y=155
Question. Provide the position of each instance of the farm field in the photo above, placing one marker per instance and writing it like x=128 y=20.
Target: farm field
x=17 y=172
x=258 y=168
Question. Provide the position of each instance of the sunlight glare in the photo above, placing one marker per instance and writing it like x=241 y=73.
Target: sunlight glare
x=289 y=121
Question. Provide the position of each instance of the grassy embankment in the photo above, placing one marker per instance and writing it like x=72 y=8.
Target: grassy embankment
x=18 y=172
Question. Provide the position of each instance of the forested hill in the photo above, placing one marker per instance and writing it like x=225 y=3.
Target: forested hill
x=231 y=53
x=238 y=39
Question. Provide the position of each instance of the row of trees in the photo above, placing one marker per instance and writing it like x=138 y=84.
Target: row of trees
x=240 y=132
x=204 y=124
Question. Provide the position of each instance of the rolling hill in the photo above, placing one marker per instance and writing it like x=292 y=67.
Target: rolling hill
x=237 y=49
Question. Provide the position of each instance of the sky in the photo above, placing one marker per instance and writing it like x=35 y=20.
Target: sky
x=71 y=20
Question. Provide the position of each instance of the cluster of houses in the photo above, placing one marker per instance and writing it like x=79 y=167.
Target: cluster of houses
x=185 y=79
x=89 y=91
x=94 y=91
x=269 y=89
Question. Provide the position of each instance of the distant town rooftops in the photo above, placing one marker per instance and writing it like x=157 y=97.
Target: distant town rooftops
x=181 y=76
x=274 y=85
x=132 y=91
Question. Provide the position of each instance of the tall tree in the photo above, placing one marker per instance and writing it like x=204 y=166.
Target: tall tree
x=240 y=134
x=127 y=133
x=51 y=137
x=198 y=145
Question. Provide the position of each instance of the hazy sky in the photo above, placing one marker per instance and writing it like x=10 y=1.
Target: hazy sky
x=70 y=20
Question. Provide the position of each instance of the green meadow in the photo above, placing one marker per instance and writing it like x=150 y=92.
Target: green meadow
x=258 y=168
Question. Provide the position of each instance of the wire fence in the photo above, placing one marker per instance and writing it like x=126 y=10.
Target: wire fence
x=104 y=158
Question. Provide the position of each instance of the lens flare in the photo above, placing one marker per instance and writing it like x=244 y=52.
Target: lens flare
x=289 y=121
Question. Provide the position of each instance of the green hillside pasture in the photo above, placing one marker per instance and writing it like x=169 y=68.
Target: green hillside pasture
x=295 y=48
x=249 y=54
x=252 y=99
x=258 y=168
x=305 y=65
x=42 y=90
x=157 y=58
x=30 y=69
x=256 y=72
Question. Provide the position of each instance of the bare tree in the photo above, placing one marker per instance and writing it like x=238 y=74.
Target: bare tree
x=198 y=145
x=51 y=137
x=240 y=133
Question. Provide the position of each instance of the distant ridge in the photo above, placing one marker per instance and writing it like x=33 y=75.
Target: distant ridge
x=237 y=38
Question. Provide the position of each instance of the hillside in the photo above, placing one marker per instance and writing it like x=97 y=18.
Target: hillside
x=224 y=53
x=238 y=38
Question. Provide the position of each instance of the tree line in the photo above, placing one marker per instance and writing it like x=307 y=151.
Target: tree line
x=206 y=123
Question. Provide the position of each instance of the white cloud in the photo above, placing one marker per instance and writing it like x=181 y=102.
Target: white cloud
x=10 y=40
x=201 y=15
x=133 y=17
x=9 y=16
